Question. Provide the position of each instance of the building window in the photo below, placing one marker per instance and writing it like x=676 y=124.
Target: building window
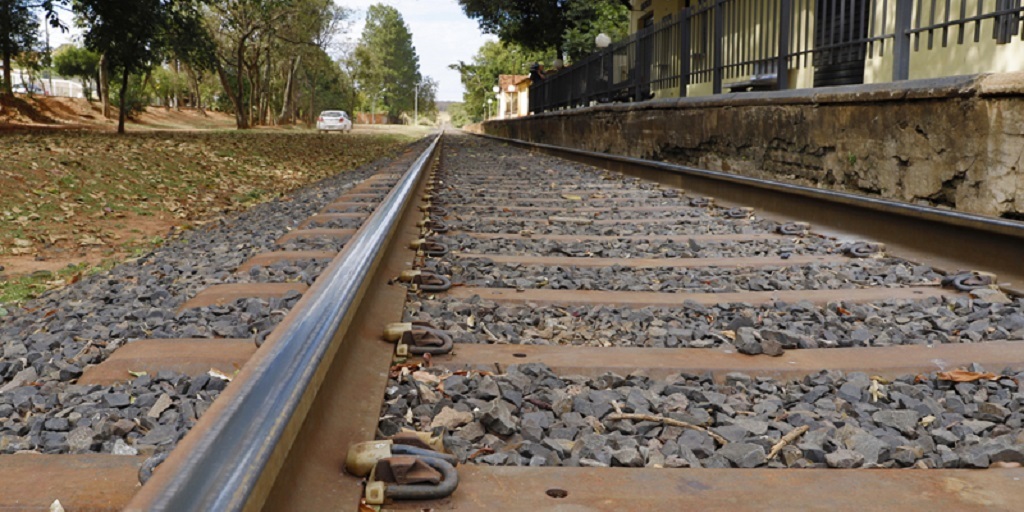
x=645 y=21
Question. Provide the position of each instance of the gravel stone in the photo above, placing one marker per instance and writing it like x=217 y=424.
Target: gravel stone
x=904 y=421
x=846 y=428
x=743 y=455
x=496 y=417
x=844 y=459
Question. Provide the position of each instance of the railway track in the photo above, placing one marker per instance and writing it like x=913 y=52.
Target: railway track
x=617 y=344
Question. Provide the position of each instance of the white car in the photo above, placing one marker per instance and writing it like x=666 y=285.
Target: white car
x=28 y=88
x=333 y=120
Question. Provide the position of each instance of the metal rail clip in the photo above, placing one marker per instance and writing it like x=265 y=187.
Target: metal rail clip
x=794 y=228
x=863 y=250
x=434 y=223
x=433 y=209
x=402 y=472
x=426 y=281
x=430 y=246
x=742 y=212
x=967 y=281
x=418 y=338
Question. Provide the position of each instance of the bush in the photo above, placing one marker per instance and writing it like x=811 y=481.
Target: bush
x=138 y=97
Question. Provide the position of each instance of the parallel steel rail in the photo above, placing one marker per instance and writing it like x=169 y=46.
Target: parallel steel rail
x=229 y=464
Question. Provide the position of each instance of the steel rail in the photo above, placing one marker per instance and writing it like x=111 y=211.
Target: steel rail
x=228 y=458
x=946 y=239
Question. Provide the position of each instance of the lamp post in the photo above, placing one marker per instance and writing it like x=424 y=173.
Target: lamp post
x=489 y=101
x=373 y=108
x=416 y=108
x=497 y=90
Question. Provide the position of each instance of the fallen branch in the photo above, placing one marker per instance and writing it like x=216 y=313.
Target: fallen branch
x=665 y=421
x=786 y=439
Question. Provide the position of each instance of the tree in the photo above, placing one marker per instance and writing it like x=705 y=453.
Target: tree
x=481 y=75
x=532 y=24
x=544 y=25
x=306 y=36
x=19 y=32
x=188 y=48
x=385 y=64
x=241 y=30
x=427 y=97
x=74 y=61
x=126 y=33
x=587 y=20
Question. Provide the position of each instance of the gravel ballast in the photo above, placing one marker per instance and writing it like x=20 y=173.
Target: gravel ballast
x=529 y=416
x=46 y=343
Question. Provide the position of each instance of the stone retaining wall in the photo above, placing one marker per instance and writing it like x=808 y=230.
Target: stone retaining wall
x=956 y=142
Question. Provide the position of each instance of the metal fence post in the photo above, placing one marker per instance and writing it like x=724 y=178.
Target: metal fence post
x=640 y=50
x=785 y=26
x=719 y=36
x=901 y=40
x=684 y=51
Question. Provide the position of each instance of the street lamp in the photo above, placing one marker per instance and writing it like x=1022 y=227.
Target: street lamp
x=416 y=108
x=602 y=40
x=489 y=101
x=497 y=90
x=373 y=108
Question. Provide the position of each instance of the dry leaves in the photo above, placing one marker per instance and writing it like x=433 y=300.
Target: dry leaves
x=966 y=376
x=69 y=193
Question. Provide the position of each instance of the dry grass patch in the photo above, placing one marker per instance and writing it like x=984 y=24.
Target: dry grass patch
x=78 y=196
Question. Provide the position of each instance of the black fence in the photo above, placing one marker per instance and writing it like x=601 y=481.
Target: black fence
x=745 y=45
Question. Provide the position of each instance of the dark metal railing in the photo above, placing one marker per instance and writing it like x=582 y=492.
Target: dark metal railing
x=756 y=44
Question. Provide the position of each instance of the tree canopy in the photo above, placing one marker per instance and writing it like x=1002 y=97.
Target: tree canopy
x=560 y=25
x=266 y=61
x=19 y=31
x=493 y=59
x=130 y=34
x=74 y=61
x=385 y=64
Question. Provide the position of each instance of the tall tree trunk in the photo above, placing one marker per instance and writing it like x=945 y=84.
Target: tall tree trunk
x=288 y=100
x=234 y=94
x=265 y=115
x=193 y=81
x=177 y=89
x=7 y=50
x=124 y=101
x=104 y=85
x=7 y=89
x=310 y=120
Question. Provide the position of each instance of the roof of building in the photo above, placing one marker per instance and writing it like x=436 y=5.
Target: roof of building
x=506 y=80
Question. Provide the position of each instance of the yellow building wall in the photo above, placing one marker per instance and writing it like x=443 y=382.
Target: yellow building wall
x=660 y=8
x=985 y=56
x=801 y=75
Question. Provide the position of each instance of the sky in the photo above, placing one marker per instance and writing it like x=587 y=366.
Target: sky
x=441 y=33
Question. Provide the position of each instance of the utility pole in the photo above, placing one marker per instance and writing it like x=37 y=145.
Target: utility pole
x=416 y=106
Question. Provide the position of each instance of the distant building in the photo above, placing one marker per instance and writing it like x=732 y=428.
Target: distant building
x=514 y=96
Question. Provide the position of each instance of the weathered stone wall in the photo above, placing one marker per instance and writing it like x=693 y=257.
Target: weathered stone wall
x=956 y=142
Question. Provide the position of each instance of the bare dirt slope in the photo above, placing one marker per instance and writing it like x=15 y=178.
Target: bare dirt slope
x=76 y=113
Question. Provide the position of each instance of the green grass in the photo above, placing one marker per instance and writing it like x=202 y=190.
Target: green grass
x=20 y=289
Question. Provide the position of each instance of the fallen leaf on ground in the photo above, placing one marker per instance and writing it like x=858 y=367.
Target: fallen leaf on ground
x=966 y=376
